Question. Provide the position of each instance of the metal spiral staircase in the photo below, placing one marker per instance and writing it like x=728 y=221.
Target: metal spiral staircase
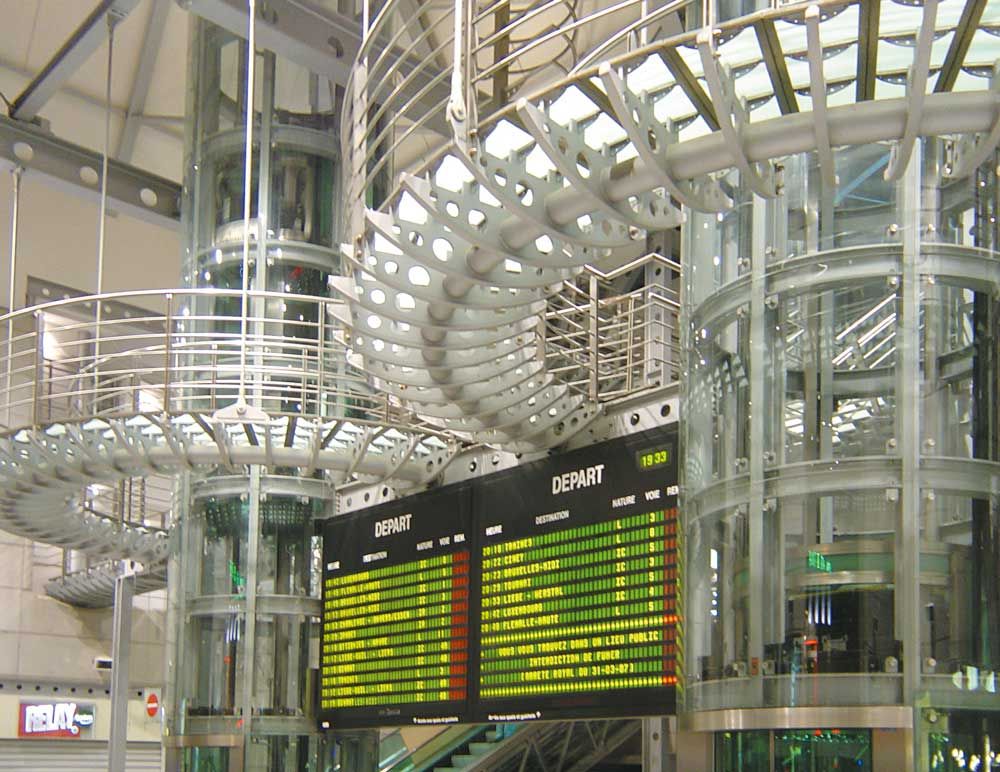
x=458 y=259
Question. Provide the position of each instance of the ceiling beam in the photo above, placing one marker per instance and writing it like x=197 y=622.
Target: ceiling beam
x=67 y=60
x=868 y=20
x=323 y=41
x=774 y=59
x=131 y=191
x=151 y=41
x=690 y=86
x=967 y=26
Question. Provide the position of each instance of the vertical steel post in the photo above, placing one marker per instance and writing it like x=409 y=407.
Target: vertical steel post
x=908 y=420
x=657 y=754
x=38 y=370
x=15 y=174
x=593 y=338
x=169 y=323
x=757 y=549
x=250 y=593
x=121 y=643
x=359 y=751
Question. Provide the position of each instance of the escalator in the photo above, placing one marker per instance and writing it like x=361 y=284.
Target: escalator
x=560 y=746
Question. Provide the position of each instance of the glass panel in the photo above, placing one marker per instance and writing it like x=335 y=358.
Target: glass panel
x=838 y=578
x=822 y=750
x=717 y=606
x=962 y=740
x=742 y=751
x=216 y=653
x=223 y=564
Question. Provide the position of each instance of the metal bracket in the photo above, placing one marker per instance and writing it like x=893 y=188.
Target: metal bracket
x=651 y=138
x=817 y=91
x=587 y=170
x=973 y=152
x=916 y=90
x=732 y=117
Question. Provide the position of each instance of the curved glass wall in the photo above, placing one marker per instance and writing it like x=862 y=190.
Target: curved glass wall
x=244 y=593
x=841 y=439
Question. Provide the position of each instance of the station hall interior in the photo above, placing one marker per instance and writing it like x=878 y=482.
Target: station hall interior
x=498 y=386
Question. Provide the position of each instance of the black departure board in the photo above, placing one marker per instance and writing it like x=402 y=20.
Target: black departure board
x=395 y=642
x=580 y=610
x=578 y=587
x=548 y=591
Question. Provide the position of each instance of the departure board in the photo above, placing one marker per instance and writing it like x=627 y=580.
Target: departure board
x=395 y=642
x=547 y=591
x=578 y=587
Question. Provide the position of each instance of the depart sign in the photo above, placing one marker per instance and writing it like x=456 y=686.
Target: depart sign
x=544 y=592
x=56 y=720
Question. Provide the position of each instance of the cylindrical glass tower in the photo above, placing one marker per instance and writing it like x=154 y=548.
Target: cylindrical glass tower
x=244 y=575
x=841 y=431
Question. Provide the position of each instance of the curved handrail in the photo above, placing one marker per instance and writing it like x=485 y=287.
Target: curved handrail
x=183 y=357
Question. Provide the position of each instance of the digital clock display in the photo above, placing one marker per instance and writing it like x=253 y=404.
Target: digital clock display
x=653 y=458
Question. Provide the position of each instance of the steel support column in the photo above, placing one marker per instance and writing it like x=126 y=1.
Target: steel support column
x=658 y=751
x=250 y=623
x=121 y=644
x=908 y=420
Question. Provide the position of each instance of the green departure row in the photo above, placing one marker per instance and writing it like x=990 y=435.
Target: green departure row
x=381 y=595
x=403 y=615
x=401 y=687
x=385 y=572
x=367 y=652
x=576 y=685
x=591 y=657
x=651 y=535
x=588 y=627
x=606 y=669
x=654 y=635
x=400 y=629
x=652 y=594
x=332 y=699
x=349 y=584
x=617 y=613
x=412 y=603
x=651 y=583
x=556 y=581
x=400 y=675
x=653 y=553
x=568 y=534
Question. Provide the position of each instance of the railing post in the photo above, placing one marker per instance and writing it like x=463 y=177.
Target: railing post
x=38 y=368
x=320 y=359
x=630 y=343
x=594 y=339
x=215 y=371
x=167 y=352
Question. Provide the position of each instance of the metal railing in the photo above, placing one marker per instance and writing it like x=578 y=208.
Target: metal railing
x=605 y=344
x=63 y=365
x=395 y=116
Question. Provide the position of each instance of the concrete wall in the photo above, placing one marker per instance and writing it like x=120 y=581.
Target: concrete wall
x=44 y=639
x=41 y=638
x=57 y=241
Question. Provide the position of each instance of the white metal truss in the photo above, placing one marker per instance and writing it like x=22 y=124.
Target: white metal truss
x=43 y=470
